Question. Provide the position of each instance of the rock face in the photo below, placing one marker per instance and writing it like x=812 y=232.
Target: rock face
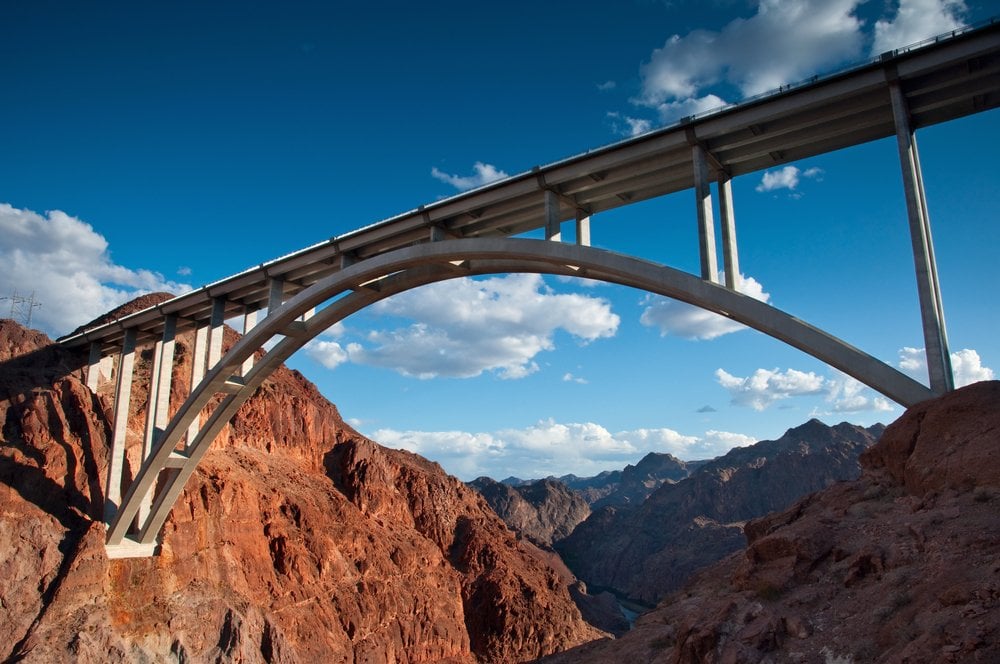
x=545 y=511
x=633 y=484
x=646 y=551
x=901 y=565
x=297 y=540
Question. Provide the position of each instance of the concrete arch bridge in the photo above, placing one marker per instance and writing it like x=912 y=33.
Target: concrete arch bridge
x=475 y=233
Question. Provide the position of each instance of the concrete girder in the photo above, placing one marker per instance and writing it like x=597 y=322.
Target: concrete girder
x=411 y=267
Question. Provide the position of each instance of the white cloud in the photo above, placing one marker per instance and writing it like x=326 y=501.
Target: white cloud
x=68 y=267
x=916 y=20
x=849 y=395
x=691 y=322
x=464 y=327
x=606 y=86
x=628 y=126
x=328 y=353
x=966 y=365
x=482 y=174
x=552 y=448
x=670 y=111
x=570 y=378
x=765 y=386
x=785 y=41
x=786 y=178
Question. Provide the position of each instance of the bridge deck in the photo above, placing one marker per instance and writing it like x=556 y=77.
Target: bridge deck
x=941 y=81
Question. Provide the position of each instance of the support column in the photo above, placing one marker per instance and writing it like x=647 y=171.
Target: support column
x=582 y=229
x=706 y=224
x=928 y=288
x=249 y=320
x=553 y=230
x=275 y=294
x=198 y=356
x=730 y=255
x=215 y=332
x=123 y=392
x=158 y=408
x=94 y=367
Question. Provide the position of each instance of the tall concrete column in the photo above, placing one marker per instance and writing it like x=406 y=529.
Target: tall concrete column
x=275 y=294
x=583 y=229
x=123 y=393
x=706 y=224
x=158 y=408
x=198 y=356
x=553 y=230
x=215 y=332
x=730 y=254
x=249 y=320
x=928 y=288
x=94 y=367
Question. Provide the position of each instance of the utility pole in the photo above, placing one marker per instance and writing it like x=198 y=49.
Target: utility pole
x=22 y=307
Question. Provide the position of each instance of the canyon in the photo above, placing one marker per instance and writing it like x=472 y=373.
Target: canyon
x=300 y=540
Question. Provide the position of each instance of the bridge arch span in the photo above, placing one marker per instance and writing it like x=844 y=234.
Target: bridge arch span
x=364 y=283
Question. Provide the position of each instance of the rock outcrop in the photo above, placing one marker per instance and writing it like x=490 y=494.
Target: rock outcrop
x=900 y=565
x=646 y=551
x=545 y=511
x=297 y=540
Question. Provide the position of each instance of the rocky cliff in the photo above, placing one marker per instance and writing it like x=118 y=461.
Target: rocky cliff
x=646 y=551
x=545 y=511
x=297 y=540
x=900 y=565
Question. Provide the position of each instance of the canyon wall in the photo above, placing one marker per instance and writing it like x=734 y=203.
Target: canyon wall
x=296 y=540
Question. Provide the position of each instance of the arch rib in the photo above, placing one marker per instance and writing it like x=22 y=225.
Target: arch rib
x=410 y=267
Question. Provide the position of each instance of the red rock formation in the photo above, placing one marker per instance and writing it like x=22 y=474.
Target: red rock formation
x=297 y=540
x=901 y=565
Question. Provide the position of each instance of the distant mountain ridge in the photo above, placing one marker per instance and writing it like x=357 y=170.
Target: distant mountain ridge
x=644 y=551
x=652 y=524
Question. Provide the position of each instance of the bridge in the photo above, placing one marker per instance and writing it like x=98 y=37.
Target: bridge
x=306 y=292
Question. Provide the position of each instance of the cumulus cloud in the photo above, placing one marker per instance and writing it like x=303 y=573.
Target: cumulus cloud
x=570 y=378
x=916 y=20
x=691 y=322
x=966 y=365
x=849 y=395
x=481 y=174
x=628 y=126
x=328 y=353
x=464 y=327
x=553 y=448
x=606 y=86
x=66 y=263
x=786 y=178
x=764 y=387
x=671 y=111
x=783 y=42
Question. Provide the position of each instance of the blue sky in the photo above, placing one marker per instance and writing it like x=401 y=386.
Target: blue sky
x=152 y=146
